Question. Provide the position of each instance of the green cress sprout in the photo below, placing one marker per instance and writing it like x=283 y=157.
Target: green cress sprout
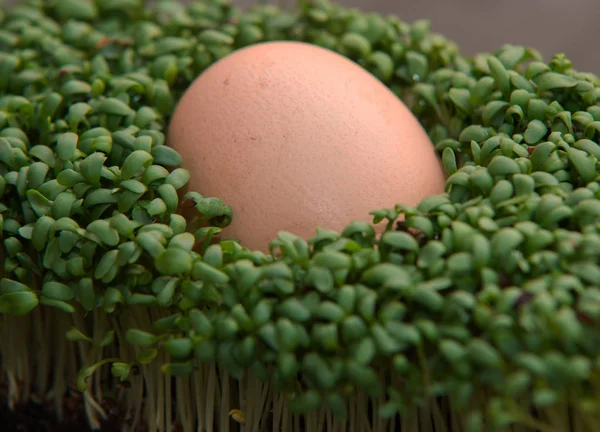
x=476 y=310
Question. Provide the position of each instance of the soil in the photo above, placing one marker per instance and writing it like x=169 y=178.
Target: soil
x=40 y=416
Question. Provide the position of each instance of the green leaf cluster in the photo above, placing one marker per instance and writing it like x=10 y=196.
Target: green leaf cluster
x=492 y=287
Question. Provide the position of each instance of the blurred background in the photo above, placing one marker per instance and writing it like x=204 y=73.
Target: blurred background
x=551 y=26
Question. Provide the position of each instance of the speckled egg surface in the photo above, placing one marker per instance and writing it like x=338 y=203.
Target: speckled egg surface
x=294 y=137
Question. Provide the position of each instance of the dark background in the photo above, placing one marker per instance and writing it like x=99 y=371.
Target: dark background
x=551 y=26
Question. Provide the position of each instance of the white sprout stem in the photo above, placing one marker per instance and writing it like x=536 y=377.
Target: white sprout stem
x=43 y=357
x=310 y=420
x=74 y=363
x=209 y=391
x=268 y=399
x=326 y=420
x=16 y=365
x=94 y=404
x=180 y=403
x=212 y=389
x=297 y=424
x=59 y=371
x=324 y=417
x=168 y=403
x=139 y=319
x=379 y=423
x=558 y=416
x=248 y=401
x=125 y=352
x=160 y=391
x=153 y=411
x=199 y=387
x=147 y=382
x=88 y=356
x=79 y=322
x=265 y=405
x=277 y=411
x=364 y=414
x=122 y=352
x=91 y=413
x=243 y=391
x=424 y=416
x=286 y=423
x=409 y=422
x=456 y=418
x=585 y=422
x=13 y=390
x=183 y=403
x=225 y=402
x=352 y=412
x=8 y=360
x=99 y=329
x=25 y=367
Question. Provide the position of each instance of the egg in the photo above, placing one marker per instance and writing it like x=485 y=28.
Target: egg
x=294 y=137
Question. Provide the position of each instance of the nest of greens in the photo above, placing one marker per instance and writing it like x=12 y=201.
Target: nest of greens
x=479 y=311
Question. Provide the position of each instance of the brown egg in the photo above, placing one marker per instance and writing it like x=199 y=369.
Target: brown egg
x=294 y=137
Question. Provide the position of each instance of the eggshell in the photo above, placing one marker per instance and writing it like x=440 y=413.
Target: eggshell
x=294 y=137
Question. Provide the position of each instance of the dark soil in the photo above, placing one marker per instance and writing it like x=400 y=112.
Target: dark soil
x=40 y=416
